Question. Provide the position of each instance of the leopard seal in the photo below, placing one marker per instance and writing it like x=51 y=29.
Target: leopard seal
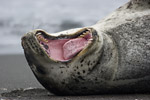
x=112 y=56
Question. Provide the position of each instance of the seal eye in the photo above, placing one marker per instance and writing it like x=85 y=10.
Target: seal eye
x=64 y=49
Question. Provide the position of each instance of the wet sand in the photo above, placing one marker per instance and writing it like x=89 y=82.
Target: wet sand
x=18 y=82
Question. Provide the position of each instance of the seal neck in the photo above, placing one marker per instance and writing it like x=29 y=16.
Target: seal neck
x=138 y=5
x=140 y=1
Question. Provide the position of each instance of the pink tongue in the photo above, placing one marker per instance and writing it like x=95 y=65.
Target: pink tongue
x=73 y=46
x=65 y=49
x=55 y=50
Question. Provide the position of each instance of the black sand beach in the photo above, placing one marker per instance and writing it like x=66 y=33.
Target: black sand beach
x=18 y=82
x=15 y=73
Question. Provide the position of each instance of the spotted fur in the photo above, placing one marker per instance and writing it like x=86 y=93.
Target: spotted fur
x=118 y=61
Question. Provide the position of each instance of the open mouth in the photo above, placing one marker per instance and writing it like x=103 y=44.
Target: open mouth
x=64 y=47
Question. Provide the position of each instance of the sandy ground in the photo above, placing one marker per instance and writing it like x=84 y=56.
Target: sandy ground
x=18 y=83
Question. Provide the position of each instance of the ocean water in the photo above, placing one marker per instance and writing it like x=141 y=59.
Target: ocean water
x=18 y=17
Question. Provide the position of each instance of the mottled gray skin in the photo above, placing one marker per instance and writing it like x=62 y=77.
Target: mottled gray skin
x=121 y=63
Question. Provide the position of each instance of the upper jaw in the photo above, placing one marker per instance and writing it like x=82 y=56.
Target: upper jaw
x=26 y=40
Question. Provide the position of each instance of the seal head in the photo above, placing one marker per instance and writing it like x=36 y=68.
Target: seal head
x=57 y=59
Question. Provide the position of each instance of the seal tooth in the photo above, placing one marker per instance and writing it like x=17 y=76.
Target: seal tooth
x=40 y=38
x=45 y=40
x=87 y=32
x=81 y=36
x=84 y=33
x=38 y=34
